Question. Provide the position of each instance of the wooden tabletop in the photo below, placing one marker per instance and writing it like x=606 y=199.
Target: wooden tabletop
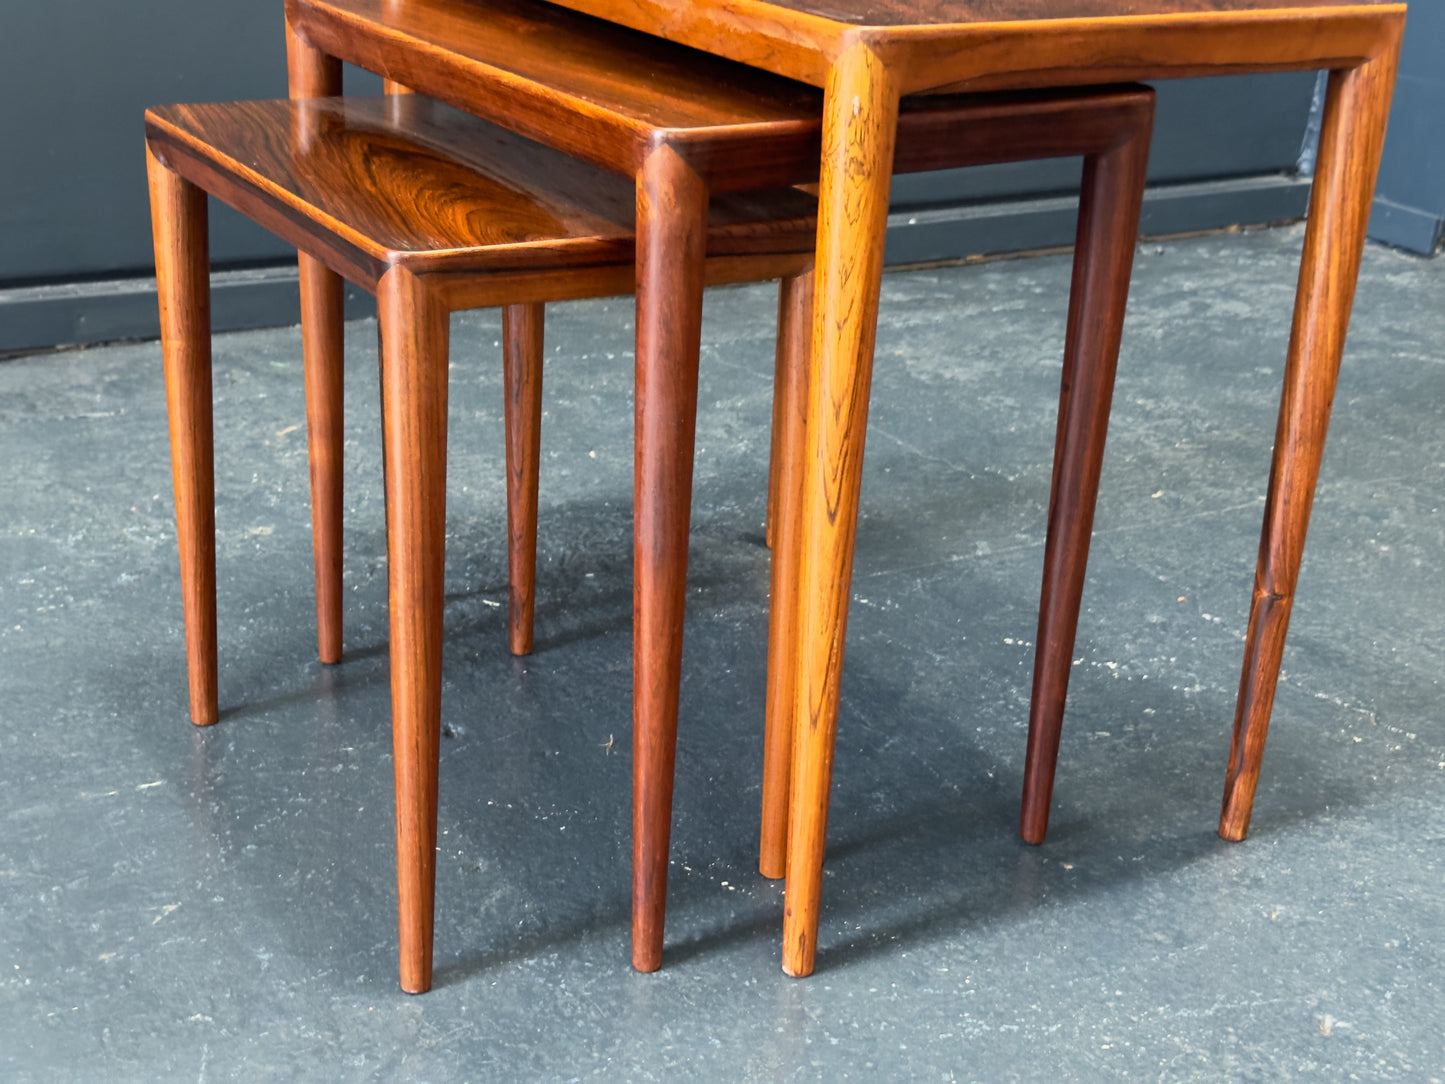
x=418 y=184
x=929 y=12
x=553 y=61
x=940 y=45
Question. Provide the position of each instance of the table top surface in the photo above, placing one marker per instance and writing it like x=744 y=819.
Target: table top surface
x=939 y=45
x=933 y=12
x=416 y=178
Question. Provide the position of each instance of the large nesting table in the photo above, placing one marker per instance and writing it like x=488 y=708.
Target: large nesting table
x=866 y=54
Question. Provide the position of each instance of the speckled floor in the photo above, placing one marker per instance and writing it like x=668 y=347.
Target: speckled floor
x=218 y=904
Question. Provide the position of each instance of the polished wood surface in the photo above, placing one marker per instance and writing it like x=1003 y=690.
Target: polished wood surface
x=795 y=310
x=593 y=90
x=925 y=12
x=489 y=200
x=1113 y=184
x=340 y=171
x=291 y=177
x=465 y=52
x=405 y=187
x=785 y=487
x=323 y=312
x=929 y=46
x=516 y=63
x=1017 y=44
x=519 y=65
x=917 y=46
x=312 y=74
x=1351 y=139
x=858 y=139
x=522 y=341
x=178 y=223
x=414 y=327
x=671 y=242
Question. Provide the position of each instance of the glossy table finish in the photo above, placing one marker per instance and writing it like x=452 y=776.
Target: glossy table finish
x=684 y=126
x=866 y=54
x=433 y=211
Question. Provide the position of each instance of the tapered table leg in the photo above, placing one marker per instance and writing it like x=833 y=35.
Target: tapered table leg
x=671 y=246
x=1351 y=139
x=522 y=327
x=312 y=74
x=790 y=389
x=795 y=330
x=1109 y=203
x=322 y=323
x=414 y=389
x=860 y=113
x=178 y=220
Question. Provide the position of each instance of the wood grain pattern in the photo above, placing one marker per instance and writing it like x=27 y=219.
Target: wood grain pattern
x=790 y=399
x=312 y=74
x=1014 y=55
x=390 y=86
x=921 y=45
x=357 y=186
x=467 y=46
x=539 y=71
x=924 y=12
x=859 y=125
x=794 y=329
x=178 y=221
x=671 y=246
x=414 y=330
x=876 y=66
x=752 y=235
x=593 y=90
x=1352 y=137
x=1016 y=44
x=522 y=341
x=1109 y=204
x=527 y=226
x=437 y=191
x=322 y=331
x=856 y=211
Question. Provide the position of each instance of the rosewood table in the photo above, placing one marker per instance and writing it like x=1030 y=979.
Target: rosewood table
x=685 y=127
x=866 y=54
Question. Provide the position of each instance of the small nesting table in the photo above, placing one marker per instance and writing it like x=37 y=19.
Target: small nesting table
x=866 y=54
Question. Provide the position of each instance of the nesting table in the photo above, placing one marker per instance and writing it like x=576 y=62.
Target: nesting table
x=685 y=127
x=866 y=54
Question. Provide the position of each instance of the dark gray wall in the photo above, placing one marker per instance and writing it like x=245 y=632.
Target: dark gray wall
x=1410 y=198
x=75 y=76
x=74 y=224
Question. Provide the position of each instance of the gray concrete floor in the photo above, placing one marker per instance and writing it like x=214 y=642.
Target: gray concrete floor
x=218 y=904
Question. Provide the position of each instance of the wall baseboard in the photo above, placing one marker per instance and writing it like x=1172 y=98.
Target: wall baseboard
x=36 y=318
x=943 y=233
x=1405 y=227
